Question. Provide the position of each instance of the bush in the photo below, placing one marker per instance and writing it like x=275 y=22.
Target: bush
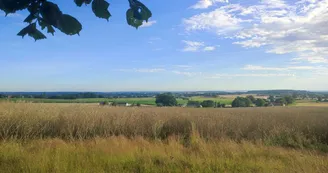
x=241 y=102
x=208 y=104
x=194 y=104
x=166 y=99
x=260 y=102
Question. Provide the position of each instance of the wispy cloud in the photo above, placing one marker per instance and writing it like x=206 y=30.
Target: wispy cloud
x=188 y=74
x=194 y=46
x=201 y=4
x=262 y=68
x=216 y=76
x=148 y=24
x=209 y=48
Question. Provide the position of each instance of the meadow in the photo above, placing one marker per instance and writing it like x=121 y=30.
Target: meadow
x=37 y=137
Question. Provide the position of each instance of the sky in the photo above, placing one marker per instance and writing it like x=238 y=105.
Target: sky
x=186 y=46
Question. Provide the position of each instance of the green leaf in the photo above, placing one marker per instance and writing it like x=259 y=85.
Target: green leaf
x=131 y=20
x=51 y=30
x=31 y=31
x=100 y=9
x=11 y=6
x=137 y=13
x=81 y=2
x=30 y=18
x=51 y=13
x=69 y=25
x=141 y=12
x=37 y=35
x=26 y=30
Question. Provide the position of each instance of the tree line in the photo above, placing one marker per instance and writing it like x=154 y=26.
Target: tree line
x=169 y=100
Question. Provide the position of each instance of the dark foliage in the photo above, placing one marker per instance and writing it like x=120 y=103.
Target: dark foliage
x=166 y=99
x=260 y=102
x=208 y=104
x=193 y=104
x=48 y=15
x=241 y=102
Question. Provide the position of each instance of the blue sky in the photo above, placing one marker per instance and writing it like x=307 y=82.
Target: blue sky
x=187 y=45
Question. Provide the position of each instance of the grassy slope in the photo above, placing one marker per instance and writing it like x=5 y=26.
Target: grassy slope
x=118 y=154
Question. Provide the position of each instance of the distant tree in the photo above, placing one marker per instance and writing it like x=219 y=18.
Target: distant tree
x=260 y=102
x=281 y=101
x=289 y=100
x=320 y=99
x=114 y=104
x=49 y=16
x=166 y=99
x=251 y=98
x=193 y=104
x=241 y=102
x=208 y=104
x=138 y=104
x=272 y=99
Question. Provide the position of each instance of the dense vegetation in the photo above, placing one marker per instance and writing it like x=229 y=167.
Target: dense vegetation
x=166 y=99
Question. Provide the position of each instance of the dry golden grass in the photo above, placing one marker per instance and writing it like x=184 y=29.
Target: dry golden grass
x=119 y=154
x=297 y=127
x=89 y=138
x=313 y=104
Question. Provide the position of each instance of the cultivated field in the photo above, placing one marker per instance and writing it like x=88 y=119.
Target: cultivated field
x=89 y=138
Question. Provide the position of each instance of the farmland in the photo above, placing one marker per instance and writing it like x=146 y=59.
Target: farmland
x=81 y=137
x=143 y=101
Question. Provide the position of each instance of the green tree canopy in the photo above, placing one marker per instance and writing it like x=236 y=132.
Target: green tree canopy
x=241 y=102
x=251 y=98
x=281 y=100
x=208 y=104
x=289 y=100
x=260 y=102
x=48 y=15
x=193 y=103
x=166 y=99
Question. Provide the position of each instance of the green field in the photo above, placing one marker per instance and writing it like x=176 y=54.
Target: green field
x=143 y=101
x=227 y=101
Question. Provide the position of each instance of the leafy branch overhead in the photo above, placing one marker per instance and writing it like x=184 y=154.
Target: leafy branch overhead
x=48 y=15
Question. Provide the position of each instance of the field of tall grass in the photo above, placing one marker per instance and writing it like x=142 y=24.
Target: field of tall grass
x=89 y=138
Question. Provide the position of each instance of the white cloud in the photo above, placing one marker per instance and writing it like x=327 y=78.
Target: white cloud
x=209 y=48
x=194 y=46
x=201 y=4
x=188 y=74
x=251 y=75
x=219 y=21
x=282 y=27
x=148 y=24
x=261 y=68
